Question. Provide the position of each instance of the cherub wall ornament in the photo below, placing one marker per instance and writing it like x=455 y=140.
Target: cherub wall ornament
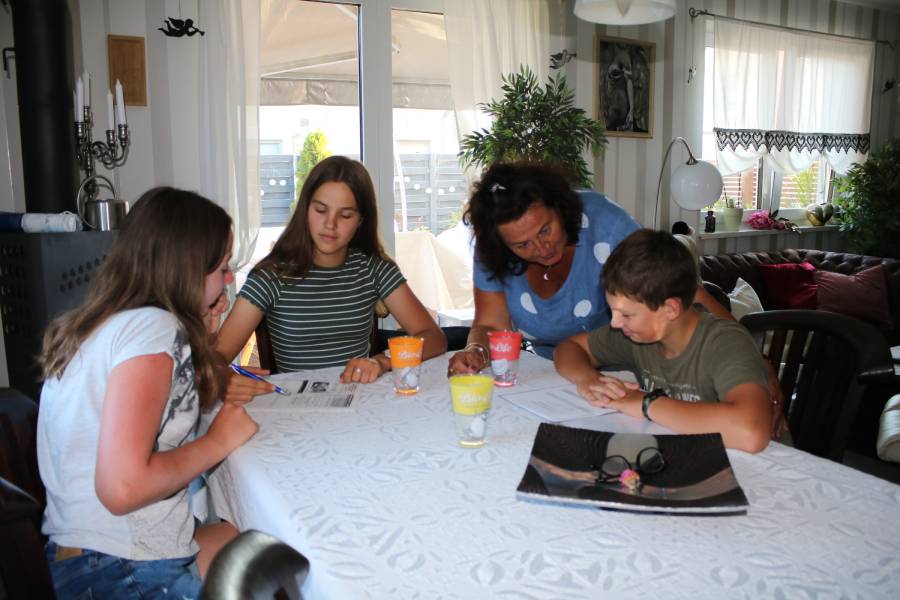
x=180 y=27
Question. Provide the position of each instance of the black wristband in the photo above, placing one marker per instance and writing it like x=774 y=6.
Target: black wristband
x=648 y=398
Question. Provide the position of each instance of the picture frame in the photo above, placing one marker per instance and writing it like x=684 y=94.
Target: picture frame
x=125 y=57
x=624 y=84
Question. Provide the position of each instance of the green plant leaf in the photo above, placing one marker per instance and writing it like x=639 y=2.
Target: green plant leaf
x=535 y=122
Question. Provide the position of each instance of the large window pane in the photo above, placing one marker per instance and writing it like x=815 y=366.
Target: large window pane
x=309 y=96
x=429 y=190
x=428 y=184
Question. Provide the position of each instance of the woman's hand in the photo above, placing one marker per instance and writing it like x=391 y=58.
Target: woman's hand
x=231 y=427
x=240 y=390
x=362 y=370
x=467 y=361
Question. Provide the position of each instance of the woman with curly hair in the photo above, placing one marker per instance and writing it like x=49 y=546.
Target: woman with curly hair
x=540 y=247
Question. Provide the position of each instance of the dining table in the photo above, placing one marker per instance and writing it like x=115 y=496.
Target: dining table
x=385 y=504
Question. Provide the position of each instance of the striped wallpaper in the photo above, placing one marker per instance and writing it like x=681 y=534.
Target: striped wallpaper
x=629 y=171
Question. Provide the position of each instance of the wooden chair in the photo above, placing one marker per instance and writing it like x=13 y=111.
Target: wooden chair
x=254 y=566
x=264 y=347
x=824 y=361
x=23 y=568
x=18 y=443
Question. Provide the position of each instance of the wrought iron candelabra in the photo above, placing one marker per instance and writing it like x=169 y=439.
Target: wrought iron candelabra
x=112 y=153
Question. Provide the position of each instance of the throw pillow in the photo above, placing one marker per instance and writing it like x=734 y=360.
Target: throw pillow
x=790 y=285
x=744 y=299
x=862 y=295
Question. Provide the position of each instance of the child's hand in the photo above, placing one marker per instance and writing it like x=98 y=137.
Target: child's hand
x=363 y=370
x=606 y=391
x=231 y=427
x=240 y=390
x=213 y=317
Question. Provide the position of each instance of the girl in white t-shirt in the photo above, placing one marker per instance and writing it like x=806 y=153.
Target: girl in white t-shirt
x=126 y=375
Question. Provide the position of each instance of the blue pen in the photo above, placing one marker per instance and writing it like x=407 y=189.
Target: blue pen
x=246 y=373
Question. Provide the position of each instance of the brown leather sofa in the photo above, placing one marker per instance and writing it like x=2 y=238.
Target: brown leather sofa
x=724 y=269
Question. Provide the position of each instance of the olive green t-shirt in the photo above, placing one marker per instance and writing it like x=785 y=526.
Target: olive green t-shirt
x=720 y=356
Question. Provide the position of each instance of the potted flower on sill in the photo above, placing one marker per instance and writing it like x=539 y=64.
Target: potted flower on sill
x=732 y=214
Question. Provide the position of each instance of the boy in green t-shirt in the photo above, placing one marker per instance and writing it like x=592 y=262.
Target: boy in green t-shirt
x=697 y=373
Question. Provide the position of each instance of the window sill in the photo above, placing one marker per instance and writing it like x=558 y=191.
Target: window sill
x=746 y=231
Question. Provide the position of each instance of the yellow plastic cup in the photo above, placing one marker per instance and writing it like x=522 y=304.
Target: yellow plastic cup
x=406 y=361
x=471 y=399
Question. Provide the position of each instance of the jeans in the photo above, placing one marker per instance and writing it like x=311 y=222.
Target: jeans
x=98 y=575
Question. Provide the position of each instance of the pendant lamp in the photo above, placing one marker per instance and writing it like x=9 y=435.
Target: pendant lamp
x=624 y=12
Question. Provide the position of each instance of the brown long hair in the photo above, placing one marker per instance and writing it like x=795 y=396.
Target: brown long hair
x=169 y=242
x=292 y=254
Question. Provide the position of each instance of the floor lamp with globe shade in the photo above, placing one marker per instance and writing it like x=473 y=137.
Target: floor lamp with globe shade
x=694 y=185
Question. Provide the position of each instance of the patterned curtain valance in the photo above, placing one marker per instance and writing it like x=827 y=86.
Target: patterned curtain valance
x=757 y=139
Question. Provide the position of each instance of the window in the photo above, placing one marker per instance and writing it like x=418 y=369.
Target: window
x=738 y=186
x=769 y=108
x=428 y=182
x=777 y=191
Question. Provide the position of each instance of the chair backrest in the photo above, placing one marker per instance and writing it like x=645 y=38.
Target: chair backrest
x=254 y=566
x=264 y=347
x=23 y=567
x=824 y=361
x=18 y=443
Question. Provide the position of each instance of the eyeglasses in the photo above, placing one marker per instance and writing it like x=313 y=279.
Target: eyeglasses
x=618 y=468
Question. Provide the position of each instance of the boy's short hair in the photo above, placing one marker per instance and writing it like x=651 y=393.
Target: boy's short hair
x=651 y=266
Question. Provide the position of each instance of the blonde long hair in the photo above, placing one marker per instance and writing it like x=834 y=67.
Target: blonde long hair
x=167 y=245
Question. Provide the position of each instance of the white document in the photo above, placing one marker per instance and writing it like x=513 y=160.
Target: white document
x=316 y=390
x=556 y=403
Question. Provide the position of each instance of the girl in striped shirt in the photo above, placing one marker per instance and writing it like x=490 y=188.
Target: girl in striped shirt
x=318 y=286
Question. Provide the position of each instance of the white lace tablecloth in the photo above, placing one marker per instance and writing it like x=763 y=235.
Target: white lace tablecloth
x=384 y=504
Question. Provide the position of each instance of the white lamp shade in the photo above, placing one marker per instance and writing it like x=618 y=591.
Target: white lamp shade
x=697 y=185
x=624 y=12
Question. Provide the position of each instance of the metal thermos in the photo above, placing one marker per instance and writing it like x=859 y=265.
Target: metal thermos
x=103 y=214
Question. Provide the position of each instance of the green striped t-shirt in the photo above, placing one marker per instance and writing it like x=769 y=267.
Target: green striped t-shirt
x=324 y=318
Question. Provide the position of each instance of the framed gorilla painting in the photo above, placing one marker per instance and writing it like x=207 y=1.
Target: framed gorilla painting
x=625 y=86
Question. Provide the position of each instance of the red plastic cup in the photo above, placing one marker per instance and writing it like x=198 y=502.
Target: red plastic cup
x=505 y=347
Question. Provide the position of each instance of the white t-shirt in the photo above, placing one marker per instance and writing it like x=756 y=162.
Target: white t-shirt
x=69 y=431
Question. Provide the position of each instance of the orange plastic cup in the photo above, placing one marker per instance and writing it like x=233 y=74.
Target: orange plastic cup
x=406 y=361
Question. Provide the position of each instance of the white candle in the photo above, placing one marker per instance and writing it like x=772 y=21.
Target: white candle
x=87 y=88
x=120 y=104
x=110 y=124
x=75 y=107
x=79 y=100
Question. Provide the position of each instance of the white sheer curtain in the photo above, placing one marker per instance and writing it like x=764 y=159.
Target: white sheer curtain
x=791 y=97
x=486 y=40
x=229 y=101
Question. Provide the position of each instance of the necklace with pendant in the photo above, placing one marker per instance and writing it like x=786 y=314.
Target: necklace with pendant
x=547 y=272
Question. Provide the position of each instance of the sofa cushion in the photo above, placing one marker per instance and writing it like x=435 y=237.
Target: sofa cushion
x=862 y=295
x=790 y=285
x=724 y=269
x=888 y=443
x=744 y=299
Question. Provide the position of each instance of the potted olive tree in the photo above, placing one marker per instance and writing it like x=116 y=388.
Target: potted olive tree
x=869 y=198
x=536 y=122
